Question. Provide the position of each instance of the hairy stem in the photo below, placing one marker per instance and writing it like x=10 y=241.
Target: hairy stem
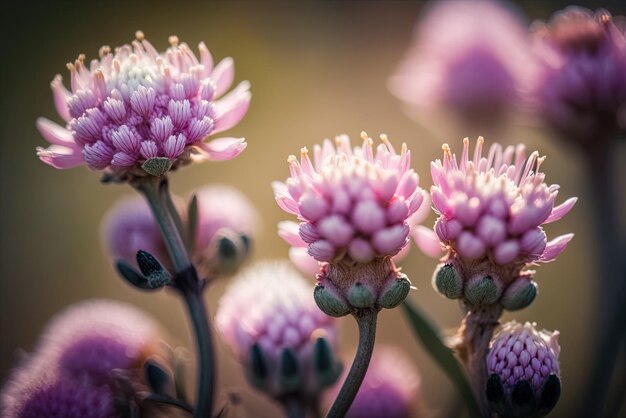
x=476 y=332
x=157 y=194
x=366 y=321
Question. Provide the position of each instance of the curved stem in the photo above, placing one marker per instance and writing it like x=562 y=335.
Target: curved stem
x=366 y=320
x=157 y=194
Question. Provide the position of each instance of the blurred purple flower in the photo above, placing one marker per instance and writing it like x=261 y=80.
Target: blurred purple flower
x=580 y=91
x=471 y=59
x=491 y=211
x=135 y=104
x=390 y=389
x=267 y=311
x=74 y=368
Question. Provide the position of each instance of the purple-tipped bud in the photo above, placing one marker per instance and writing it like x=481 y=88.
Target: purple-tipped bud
x=391 y=387
x=271 y=323
x=581 y=89
x=135 y=88
x=524 y=371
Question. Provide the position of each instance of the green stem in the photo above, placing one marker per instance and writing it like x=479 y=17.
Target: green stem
x=366 y=320
x=187 y=282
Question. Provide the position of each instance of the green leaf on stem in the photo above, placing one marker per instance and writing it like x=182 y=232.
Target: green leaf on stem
x=429 y=336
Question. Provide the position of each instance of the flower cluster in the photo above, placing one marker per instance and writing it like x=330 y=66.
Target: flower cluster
x=491 y=211
x=136 y=111
x=524 y=370
x=83 y=357
x=581 y=90
x=270 y=322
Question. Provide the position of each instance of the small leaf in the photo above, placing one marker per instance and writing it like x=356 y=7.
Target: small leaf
x=158 y=378
x=192 y=223
x=442 y=354
x=157 y=166
x=132 y=276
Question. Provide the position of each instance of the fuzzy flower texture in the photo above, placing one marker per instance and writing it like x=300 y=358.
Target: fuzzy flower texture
x=135 y=104
x=491 y=211
x=354 y=203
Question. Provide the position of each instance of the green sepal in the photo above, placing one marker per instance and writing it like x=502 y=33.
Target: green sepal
x=482 y=292
x=523 y=400
x=157 y=166
x=395 y=292
x=290 y=376
x=361 y=296
x=152 y=269
x=447 y=282
x=328 y=303
x=132 y=276
x=326 y=368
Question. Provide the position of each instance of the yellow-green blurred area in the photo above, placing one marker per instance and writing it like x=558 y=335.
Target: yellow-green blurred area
x=317 y=69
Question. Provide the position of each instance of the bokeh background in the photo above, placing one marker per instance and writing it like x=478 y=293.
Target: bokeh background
x=317 y=69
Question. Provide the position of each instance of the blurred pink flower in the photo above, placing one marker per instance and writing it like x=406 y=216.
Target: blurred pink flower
x=136 y=104
x=494 y=207
x=354 y=203
x=523 y=359
x=267 y=310
x=581 y=89
x=390 y=389
x=469 y=59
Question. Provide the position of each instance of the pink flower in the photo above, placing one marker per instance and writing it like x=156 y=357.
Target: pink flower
x=522 y=359
x=268 y=318
x=491 y=211
x=581 y=89
x=354 y=203
x=494 y=207
x=469 y=59
x=390 y=388
x=135 y=105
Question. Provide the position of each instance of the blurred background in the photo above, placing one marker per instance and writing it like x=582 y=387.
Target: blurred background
x=317 y=69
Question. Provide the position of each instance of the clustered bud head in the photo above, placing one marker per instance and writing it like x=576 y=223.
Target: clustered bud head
x=269 y=320
x=137 y=112
x=524 y=371
x=491 y=211
x=225 y=226
x=390 y=388
x=74 y=371
x=469 y=60
x=354 y=203
x=580 y=91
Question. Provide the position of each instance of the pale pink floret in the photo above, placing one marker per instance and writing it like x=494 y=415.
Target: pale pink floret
x=134 y=104
x=520 y=352
x=494 y=206
x=270 y=304
x=353 y=202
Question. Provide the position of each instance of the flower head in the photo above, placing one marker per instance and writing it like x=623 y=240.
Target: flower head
x=270 y=322
x=470 y=59
x=74 y=370
x=581 y=89
x=491 y=211
x=389 y=389
x=524 y=369
x=136 y=111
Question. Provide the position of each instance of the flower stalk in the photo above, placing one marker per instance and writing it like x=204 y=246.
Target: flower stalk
x=366 y=321
x=187 y=282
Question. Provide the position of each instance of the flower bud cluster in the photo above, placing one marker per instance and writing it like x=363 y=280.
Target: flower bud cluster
x=270 y=322
x=524 y=371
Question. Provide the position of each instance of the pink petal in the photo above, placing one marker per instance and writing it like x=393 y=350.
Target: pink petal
x=303 y=261
x=60 y=157
x=389 y=241
x=423 y=211
x=60 y=95
x=221 y=149
x=561 y=210
x=336 y=229
x=555 y=247
x=55 y=134
x=322 y=250
x=427 y=241
x=226 y=119
x=223 y=75
x=289 y=231
x=470 y=246
x=283 y=199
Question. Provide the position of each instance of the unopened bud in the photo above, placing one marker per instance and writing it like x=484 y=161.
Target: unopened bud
x=329 y=301
x=519 y=294
x=483 y=290
x=447 y=281
x=394 y=292
x=361 y=296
